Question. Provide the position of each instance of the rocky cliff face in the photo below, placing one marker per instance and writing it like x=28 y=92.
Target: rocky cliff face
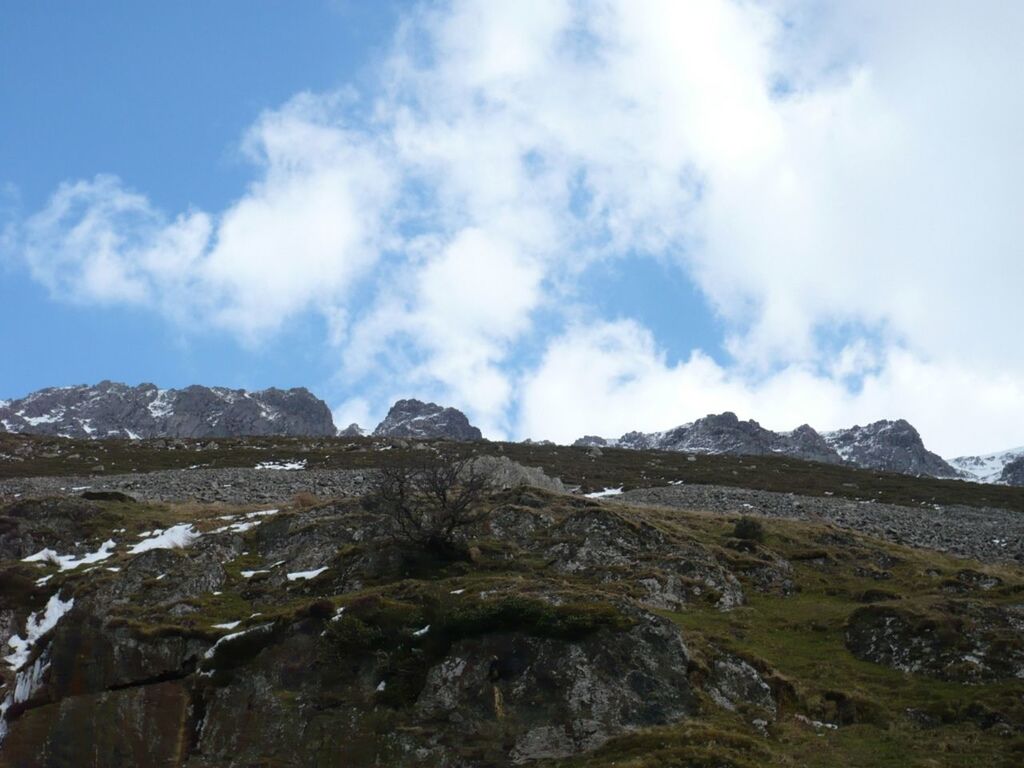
x=1013 y=472
x=725 y=433
x=891 y=446
x=419 y=420
x=109 y=409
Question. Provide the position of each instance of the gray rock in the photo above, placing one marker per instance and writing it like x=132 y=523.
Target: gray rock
x=416 y=419
x=1013 y=473
x=891 y=446
x=725 y=433
x=505 y=473
x=110 y=409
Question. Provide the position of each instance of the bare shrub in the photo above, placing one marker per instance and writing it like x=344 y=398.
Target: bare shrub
x=305 y=500
x=430 y=499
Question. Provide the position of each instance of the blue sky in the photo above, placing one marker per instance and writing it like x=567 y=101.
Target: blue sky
x=560 y=217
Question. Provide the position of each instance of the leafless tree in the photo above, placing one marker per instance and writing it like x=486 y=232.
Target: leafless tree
x=428 y=499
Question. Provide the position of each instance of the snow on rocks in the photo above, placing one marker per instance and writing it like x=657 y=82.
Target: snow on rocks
x=175 y=537
x=227 y=625
x=604 y=493
x=285 y=465
x=228 y=638
x=250 y=521
x=35 y=627
x=70 y=562
x=306 y=574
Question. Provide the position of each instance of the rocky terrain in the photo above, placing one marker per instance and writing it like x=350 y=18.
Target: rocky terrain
x=109 y=409
x=416 y=419
x=990 y=535
x=266 y=614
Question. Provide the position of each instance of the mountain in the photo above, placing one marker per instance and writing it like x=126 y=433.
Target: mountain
x=725 y=433
x=1013 y=472
x=419 y=420
x=987 y=468
x=110 y=409
x=352 y=430
x=891 y=446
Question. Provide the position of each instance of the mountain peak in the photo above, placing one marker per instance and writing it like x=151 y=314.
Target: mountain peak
x=415 y=419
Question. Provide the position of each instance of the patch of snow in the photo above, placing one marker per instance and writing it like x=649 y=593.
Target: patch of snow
x=160 y=406
x=456 y=592
x=227 y=625
x=132 y=435
x=381 y=686
x=114 y=570
x=286 y=465
x=421 y=632
x=35 y=627
x=250 y=574
x=338 y=613
x=175 y=537
x=43 y=580
x=604 y=493
x=213 y=648
x=161 y=577
x=306 y=574
x=48 y=418
x=251 y=517
x=70 y=562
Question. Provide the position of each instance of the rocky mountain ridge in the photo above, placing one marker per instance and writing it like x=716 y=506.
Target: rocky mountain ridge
x=891 y=446
x=111 y=409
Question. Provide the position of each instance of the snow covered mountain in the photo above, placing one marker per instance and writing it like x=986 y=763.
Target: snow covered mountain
x=725 y=433
x=416 y=419
x=110 y=409
x=988 y=468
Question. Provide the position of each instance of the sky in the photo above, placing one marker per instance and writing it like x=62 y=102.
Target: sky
x=562 y=217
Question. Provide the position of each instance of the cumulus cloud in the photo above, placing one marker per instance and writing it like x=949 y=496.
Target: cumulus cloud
x=298 y=237
x=842 y=183
x=610 y=378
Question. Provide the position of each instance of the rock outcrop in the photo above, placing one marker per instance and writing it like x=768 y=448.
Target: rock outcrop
x=891 y=446
x=110 y=409
x=1013 y=472
x=418 y=420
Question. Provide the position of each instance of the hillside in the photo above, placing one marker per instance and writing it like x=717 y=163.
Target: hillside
x=646 y=628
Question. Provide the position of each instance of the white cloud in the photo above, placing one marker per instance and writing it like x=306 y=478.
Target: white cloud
x=298 y=238
x=842 y=182
x=611 y=378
